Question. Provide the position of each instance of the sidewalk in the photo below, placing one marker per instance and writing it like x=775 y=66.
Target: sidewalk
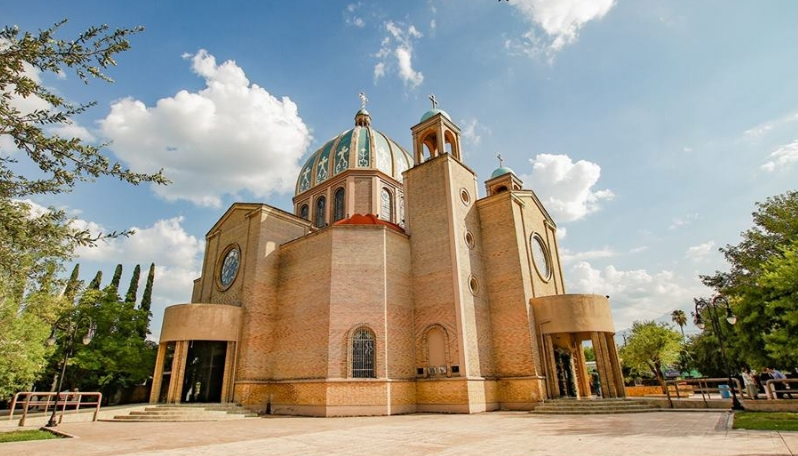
x=494 y=434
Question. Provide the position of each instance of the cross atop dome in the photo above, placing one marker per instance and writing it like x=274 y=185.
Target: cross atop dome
x=363 y=100
x=433 y=100
x=501 y=160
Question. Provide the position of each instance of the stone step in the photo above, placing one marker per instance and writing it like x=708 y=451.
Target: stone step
x=193 y=412
x=592 y=407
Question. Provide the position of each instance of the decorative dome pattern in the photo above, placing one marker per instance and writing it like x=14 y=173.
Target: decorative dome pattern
x=361 y=147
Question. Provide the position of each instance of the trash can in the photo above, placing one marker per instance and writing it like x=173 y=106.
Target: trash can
x=725 y=392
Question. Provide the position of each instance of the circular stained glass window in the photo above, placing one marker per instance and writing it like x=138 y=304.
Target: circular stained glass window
x=540 y=256
x=229 y=269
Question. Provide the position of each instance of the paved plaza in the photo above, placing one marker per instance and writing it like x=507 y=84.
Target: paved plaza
x=494 y=434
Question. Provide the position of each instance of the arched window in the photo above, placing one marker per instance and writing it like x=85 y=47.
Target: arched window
x=338 y=205
x=304 y=212
x=363 y=353
x=321 y=204
x=386 y=208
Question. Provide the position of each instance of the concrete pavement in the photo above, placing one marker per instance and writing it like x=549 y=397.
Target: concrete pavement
x=494 y=434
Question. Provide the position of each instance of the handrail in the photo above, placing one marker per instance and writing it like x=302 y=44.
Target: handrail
x=65 y=399
x=703 y=387
x=772 y=391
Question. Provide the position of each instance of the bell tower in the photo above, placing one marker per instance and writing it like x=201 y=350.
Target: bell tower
x=450 y=293
x=435 y=134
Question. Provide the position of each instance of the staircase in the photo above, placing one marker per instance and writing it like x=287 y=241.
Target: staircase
x=592 y=407
x=186 y=412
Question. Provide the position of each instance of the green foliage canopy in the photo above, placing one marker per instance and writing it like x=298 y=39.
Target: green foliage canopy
x=650 y=347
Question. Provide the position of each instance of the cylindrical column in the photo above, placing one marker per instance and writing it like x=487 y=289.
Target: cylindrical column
x=178 y=372
x=616 y=365
x=551 y=367
x=157 y=377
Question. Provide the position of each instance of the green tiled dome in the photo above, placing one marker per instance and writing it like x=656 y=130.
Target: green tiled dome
x=361 y=147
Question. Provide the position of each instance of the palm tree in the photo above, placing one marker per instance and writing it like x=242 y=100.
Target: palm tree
x=680 y=318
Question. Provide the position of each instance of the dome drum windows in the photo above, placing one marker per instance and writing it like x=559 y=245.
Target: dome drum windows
x=319 y=216
x=339 y=204
x=386 y=205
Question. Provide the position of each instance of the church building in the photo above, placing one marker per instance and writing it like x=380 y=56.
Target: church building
x=390 y=287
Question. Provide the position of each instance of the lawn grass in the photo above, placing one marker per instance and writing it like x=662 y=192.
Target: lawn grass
x=766 y=421
x=22 y=436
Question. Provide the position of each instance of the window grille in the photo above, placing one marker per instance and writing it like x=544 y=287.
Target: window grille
x=338 y=205
x=363 y=354
x=386 y=211
x=321 y=202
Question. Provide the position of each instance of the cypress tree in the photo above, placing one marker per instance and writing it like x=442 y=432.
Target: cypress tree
x=146 y=303
x=95 y=282
x=73 y=284
x=146 y=300
x=116 y=278
x=133 y=289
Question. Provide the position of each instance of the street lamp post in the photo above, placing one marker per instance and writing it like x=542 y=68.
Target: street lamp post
x=69 y=326
x=712 y=306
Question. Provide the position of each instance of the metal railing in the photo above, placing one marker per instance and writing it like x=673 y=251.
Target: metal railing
x=777 y=389
x=704 y=386
x=37 y=400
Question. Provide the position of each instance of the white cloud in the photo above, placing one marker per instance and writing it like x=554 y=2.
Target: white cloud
x=561 y=233
x=396 y=54
x=699 y=252
x=565 y=187
x=472 y=131
x=634 y=294
x=640 y=249
x=782 y=157
x=559 y=20
x=568 y=257
x=679 y=222
x=762 y=129
x=351 y=18
x=228 y=137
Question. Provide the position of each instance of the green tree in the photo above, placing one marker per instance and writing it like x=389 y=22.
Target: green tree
x=651 y=347
x=73 y=284
x=680 y=318
x=34 y=244
x=757 y=307
x=117 y=277
x=779 y=289
x=132 y=289
x=146 y=303
x=590 y=355
x=96 y=281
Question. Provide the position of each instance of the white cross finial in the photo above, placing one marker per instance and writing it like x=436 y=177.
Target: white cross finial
x=501 y=160
x=433 y=100
x=363 y=100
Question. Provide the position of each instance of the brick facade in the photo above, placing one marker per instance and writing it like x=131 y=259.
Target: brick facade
x=440 y=306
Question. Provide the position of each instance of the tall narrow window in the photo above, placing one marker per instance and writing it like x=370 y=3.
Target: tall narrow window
x=321 y=204
x=338 y=205
x=304 y=212
x=386 y=210
x=363 y=353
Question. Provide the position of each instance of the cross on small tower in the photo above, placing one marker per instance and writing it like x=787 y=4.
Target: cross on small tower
x=363 y=100
x=501 y=160
x=433 y=100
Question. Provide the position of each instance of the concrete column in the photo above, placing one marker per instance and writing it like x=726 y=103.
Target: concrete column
x=616 y=364
x=178 y=372
x=583 y=389
x=227 y=380
x=157 y=377
x=551 y=367
x=607 y=386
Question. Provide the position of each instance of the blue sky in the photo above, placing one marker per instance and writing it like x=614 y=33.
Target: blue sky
x=649 y=127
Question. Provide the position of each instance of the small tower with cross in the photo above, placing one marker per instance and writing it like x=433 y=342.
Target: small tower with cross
x=502 y=179
x=435 y=134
